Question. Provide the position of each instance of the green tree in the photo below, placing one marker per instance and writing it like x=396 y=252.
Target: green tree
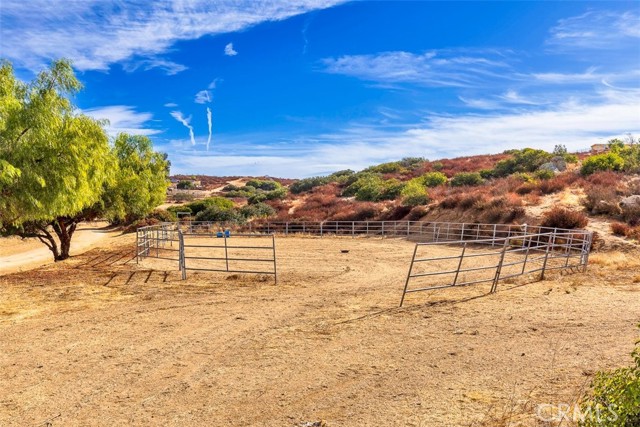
x=54 y=162
x=141 y=179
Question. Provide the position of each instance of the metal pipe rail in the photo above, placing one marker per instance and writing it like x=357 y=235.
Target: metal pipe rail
x=535 y=252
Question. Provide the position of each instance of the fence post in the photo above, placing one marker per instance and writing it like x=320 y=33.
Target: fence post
x=321 y=224
x=137 y=246
x=551 y=242
x=568 y=252
x=406 y=283
x=182 y=256
x=275 y=271
x=494 y=287
x=353 y=229
x=226 y=254
x=383 y=229
x=462 y=232
x=455 y=279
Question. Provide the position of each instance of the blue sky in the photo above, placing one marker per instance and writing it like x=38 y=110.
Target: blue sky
x=304 y=88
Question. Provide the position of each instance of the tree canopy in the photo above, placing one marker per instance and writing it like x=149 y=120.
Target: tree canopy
x=57 y=166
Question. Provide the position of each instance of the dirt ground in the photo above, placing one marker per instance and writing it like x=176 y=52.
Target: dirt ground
x=99 y=340
x=18 y=254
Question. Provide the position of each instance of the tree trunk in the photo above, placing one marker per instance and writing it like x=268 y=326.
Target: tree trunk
x=64 y=229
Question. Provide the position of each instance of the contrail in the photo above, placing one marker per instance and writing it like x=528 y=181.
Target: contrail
x=209 y=122
x=185 y=121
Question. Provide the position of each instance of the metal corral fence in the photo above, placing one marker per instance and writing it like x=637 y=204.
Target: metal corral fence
x=498 y=258
x=515 y=250
x=423 y=230
x=233 y=253
x=207 y=247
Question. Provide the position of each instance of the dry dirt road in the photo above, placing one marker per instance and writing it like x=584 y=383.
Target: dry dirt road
x=100 y=341
x=24 y=254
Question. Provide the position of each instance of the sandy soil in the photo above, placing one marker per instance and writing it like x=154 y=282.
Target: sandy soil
x=99 y=340
x=18 y=254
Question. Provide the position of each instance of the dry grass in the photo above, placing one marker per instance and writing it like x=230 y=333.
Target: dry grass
x=99 y=341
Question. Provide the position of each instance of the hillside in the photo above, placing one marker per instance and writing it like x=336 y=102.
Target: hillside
x=530 y=186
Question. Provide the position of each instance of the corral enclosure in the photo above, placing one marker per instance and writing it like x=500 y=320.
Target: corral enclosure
x=508 y=251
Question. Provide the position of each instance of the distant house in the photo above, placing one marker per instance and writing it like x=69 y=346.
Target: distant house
x=599 y=148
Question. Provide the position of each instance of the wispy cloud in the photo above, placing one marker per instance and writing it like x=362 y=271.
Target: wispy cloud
x=434 y=69
x=170 y=105
x=169 y=67
x=576 y=123
x=203 y=97
x=95 y=35
x=209 y=124
x=596 y=30
x=186 y=122
x=123 y=118
x=229 y=50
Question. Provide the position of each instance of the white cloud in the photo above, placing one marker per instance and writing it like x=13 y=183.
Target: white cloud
x=576 y=124
x=170 y=105
x=186 y=122
x=596 y=30
x=209 y=125
x=203 y=97
x=169 y=67
x=95 y=35
x=436 y=68
x=229 y=51
x=122 y=118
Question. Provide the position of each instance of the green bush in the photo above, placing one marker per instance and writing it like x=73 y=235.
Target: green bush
x=414 y=193
x=466 y=178
x=390 y=167
x=202 y=205
x=433 y=179
x=185 y=185
x=257 y=210
x=602 y=162
x=307 y=184
x=614 y=398
x=263 y=185
x=216 y=214
x=544 y=174
x=526 y=160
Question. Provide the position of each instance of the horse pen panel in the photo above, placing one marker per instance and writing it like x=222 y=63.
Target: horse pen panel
x=251 y=254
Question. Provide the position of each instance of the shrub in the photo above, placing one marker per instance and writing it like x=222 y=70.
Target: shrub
x=183 y=197
x=492 y=215
x=216 y=214
x=307 y=184
x=263 y=185
x=470 y=200
x=544 y=174
x=601 y=200
x=433 y=179
x=614 y=392
x=620 y=229
x=514 y=213
x=564 y=218
x=526 y=160
x=466 y=178
x=390 y=167
x=392 y=188
x=414 y=194
x=602 y=162
x=201 y=205
x=257 y=210
x=185 y=185
x=451 y=202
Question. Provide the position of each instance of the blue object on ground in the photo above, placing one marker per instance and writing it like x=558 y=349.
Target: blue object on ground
x=227 y=233
x=219 y=234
